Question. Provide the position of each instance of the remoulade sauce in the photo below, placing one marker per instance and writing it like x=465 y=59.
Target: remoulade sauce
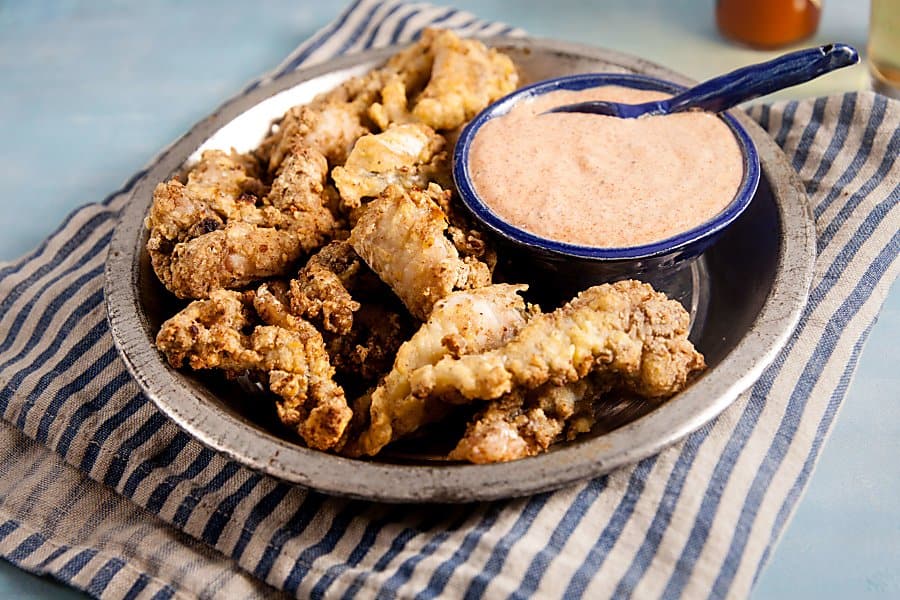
x=603 y=181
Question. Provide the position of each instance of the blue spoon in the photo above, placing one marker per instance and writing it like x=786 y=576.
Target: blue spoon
x=722 y=92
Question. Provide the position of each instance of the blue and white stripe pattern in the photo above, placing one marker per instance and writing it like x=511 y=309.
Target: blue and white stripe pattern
x=175 y=519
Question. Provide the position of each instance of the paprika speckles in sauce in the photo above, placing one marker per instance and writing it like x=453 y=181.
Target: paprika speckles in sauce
x=603 y=181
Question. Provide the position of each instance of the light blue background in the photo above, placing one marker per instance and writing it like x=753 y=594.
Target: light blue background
x=89 y=91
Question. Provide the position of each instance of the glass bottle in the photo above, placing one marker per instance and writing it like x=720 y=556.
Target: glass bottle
x=767 y=23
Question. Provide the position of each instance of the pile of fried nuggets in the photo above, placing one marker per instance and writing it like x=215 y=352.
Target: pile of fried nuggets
x=393 y=320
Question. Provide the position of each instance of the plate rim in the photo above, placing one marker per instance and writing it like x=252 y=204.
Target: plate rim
x=385 y=482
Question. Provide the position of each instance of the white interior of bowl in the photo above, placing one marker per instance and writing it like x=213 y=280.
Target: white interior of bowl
x=245 y=132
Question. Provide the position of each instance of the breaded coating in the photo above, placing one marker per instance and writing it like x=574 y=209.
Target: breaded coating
x=442 y=81
x=298 y=200
x=471 y=242
x=320 y=292
x=410 y=156
x=332 y=130
x=467 y=239
x=331 y=123
x=394 y=106
x=403 y=77
x=229 y=258
x=367 y=351
x=183 y=211
x=214 y=232
x=362 y=321
x=222 y=332
x=356 y=94
x=626 y=329
x=313 y=404
x=224 y=181
x=209 y=334
x=525 y=423
x=401 y=237
x=463 y=322
x=466 y=77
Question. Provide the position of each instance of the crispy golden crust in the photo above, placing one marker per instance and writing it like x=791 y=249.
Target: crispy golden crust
x=625 y=328
x=366 y=352
x=209 y=334
x=362 y=322
x=442 y=81
x=469 y=321
x=223 y=181
x=465 y=78
x=232 y=257
x=223 y=332
x=331 y=130
x=214 y=233
x=181 y=212
x=300 y=372
x=401 y=237
x=331 y=123
x=410 y=156
x=320 y=290
x=525 y=423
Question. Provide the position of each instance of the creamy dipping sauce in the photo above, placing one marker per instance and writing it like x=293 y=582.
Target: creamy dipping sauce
x=603 y=181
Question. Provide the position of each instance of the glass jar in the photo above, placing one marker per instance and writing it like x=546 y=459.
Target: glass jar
x=767 y=23
x=884 y=46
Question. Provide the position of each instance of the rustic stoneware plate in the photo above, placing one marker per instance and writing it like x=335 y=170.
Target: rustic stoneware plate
x=745 y=295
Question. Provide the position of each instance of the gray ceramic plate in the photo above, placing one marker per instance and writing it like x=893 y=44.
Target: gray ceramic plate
x=746 y=294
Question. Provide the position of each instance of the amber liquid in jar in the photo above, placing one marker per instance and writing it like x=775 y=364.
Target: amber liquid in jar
x=884 y=46
x=767 y=23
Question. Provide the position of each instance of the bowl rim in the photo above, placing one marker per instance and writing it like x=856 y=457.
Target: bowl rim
x=520 y=237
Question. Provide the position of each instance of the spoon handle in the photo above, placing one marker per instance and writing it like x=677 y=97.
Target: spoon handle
x=725 y=91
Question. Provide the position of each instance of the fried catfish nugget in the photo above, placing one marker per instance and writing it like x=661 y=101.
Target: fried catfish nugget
x=331 y=130
x=225 y=229
x=526 y=422
x=231 y=257
x=465 y=78
x=361 y=335
x=223 y=332
x=183 y=211
x=626 y=329
x=442 y=81
x=410 y=156
x=331 y=123
x=401 y=236
x=320 y=291
x=464 y=322
x=365 y=354
x=209 y=334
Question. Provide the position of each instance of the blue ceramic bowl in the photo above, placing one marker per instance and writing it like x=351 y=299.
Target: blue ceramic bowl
x=577 y=265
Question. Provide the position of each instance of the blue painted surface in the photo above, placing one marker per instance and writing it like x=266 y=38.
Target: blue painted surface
x=90 y=91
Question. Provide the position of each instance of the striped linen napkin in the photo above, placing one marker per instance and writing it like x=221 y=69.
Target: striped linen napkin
x=100 y=490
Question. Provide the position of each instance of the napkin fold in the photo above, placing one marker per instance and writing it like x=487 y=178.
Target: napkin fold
x=100 y=490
